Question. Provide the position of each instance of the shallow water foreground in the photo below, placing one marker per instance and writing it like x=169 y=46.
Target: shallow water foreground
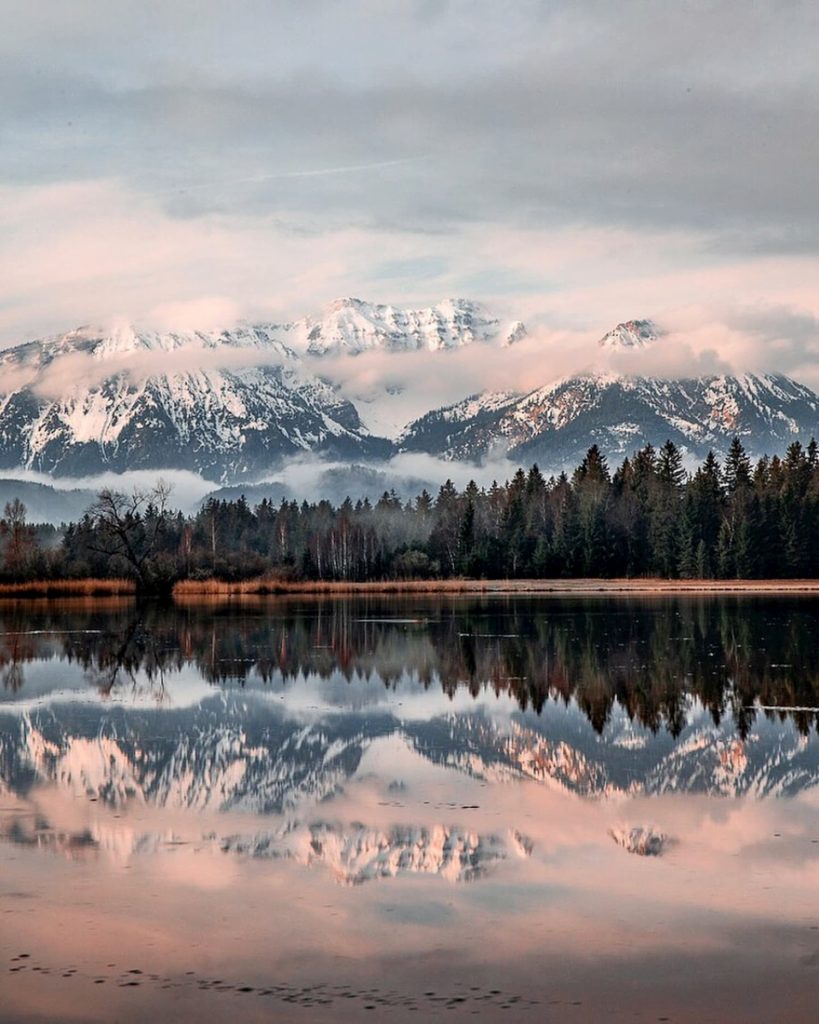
x=600 y=809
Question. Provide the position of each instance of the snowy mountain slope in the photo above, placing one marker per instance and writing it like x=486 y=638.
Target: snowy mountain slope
x=556 y=423
x=223 y=423
x=230 y=404
x=631 y=334
x=235 y=405
x=354 y=326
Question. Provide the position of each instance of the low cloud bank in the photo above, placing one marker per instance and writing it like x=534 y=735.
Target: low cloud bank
x=306 y=479
x=393 y=388
x=188 y=489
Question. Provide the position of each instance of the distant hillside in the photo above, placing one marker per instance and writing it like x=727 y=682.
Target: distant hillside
x=46 y=504
x=334 y=485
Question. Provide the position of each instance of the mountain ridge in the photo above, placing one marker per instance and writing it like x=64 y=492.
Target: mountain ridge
x=557 y=423
x=236 y=404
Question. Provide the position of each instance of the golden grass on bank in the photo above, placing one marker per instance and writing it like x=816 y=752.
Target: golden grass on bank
x=220 y=590
x=68 y=588
x=265 y=587
x=211 y=589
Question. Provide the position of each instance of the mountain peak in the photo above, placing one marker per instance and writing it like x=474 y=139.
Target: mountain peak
x=345 y=302
x=631 y=334
x=354 y=326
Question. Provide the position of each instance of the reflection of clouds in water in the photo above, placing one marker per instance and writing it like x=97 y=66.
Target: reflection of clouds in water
x=576 y=897
x=314 y=696
x=426 y=913
x=353 y=854
x=61 y=682
x=254 y=801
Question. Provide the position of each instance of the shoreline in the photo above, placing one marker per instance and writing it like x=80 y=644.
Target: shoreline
x=210 y=589
x=190 y=591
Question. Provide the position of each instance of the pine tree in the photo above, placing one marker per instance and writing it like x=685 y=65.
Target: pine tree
x=666 y=506
x=737 y=467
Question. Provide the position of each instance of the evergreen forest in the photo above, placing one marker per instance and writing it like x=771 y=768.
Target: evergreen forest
x=649 y=517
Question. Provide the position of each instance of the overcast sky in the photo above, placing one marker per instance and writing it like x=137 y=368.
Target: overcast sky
x=574 y=164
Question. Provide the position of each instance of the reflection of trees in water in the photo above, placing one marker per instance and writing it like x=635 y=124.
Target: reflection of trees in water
x=128 y=659
x=648 y=656
x=16 y=647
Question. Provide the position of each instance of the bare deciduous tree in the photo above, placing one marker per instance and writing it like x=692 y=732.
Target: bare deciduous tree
x=129 y=529
x=19 y=541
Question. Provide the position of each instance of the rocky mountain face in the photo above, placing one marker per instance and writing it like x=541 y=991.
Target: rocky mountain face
x=166 y=403
x=555 y=424
x=230 y=405
x=236 y=405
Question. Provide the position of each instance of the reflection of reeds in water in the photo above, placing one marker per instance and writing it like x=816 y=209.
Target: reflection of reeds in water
x=263 y=586
x=68 y=588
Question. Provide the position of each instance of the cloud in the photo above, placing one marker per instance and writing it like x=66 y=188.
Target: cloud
x=203 y=313
x=524 y=115
x=187 y=489
x=580 y=164
x=313 y=479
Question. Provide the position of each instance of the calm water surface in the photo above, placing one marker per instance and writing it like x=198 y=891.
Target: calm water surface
x=409 y=809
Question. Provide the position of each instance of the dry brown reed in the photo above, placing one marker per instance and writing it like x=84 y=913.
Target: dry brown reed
x=68 y=588
x=265 y=587
x=212 y=589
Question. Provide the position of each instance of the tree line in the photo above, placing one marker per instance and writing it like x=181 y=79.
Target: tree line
x=649 y=517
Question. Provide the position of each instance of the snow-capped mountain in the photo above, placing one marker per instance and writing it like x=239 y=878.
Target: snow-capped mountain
x=236 y=404
x=631 y=334
x=556 y=423
x=353 y=853
x=237 y=753
x=228 y=404
x=354 y=326
x=219 y=755
x=358 y=854
x=557 y=749
x=133 y=400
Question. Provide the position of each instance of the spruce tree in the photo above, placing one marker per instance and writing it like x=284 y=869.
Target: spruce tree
x=737 y=467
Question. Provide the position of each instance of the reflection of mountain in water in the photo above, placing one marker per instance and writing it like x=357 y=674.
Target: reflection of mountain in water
x=241 y=752
x=226 y=753
x=612 y=696
x=360 y=854
x=353 y=854
x=644 y=656
x=560 y=749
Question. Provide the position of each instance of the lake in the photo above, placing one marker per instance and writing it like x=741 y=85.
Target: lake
x=534 y=809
